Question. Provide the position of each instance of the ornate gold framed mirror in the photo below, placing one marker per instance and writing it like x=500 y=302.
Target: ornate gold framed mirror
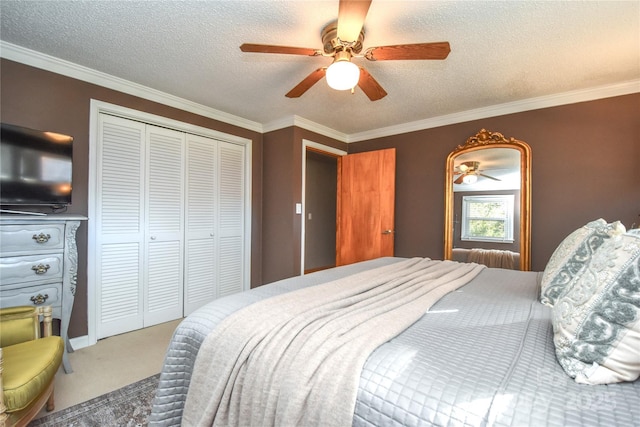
x=488 y=202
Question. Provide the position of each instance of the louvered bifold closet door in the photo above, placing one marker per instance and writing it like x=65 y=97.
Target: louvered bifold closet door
x=119 y=225
x=163 y=284
x=231 y=206
x=201 y=192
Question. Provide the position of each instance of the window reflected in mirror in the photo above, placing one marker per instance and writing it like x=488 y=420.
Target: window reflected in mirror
x=487 y=218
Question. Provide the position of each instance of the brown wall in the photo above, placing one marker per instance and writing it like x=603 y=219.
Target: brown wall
x=584 y=166
x=282 y=187
x=43 y=100
x=280 y=192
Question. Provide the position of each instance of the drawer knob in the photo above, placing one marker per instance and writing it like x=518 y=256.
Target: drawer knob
x=41 y=268
x=41 y=238
x=39 y=299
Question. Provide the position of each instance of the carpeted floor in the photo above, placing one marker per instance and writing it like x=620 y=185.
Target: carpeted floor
x=128 y=406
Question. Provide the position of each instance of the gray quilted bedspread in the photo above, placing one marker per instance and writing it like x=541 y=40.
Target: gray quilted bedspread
x=483 y=355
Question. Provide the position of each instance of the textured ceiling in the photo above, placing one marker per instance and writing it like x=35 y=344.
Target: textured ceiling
x=501 y=52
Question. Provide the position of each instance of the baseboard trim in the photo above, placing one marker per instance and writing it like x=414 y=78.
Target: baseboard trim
x=80 y=342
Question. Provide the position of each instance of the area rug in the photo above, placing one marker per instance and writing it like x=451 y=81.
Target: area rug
x=129 y=406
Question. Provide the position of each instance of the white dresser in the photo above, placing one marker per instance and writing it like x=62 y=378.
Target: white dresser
x=39 y=265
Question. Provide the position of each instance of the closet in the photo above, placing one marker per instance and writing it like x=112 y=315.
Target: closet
x=169 y=228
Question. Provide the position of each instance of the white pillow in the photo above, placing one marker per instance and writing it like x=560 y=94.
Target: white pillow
x=574 y=252
x=596 y=323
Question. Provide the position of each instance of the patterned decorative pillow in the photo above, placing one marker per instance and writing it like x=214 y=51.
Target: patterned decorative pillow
x=597 y=322
x=568 y=260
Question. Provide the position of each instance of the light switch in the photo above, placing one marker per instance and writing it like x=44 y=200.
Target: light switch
x=299 y=208
x=309 y=215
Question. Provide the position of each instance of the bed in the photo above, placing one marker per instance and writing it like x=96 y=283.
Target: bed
x=482 y=355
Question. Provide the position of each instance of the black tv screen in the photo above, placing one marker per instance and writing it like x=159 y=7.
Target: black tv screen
x=35 y=167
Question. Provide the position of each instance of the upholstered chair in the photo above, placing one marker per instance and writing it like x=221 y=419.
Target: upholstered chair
x=28 y=364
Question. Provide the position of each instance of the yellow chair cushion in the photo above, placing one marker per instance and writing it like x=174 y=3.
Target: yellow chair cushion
x=29 y=367
x=18 y=325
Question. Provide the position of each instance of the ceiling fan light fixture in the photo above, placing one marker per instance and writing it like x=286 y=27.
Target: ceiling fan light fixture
x=470 y=179
x=343 y=74
x=342 y=39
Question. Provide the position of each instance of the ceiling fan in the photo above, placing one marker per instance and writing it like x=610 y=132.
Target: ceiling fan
x=342 y=40
x=469 y=173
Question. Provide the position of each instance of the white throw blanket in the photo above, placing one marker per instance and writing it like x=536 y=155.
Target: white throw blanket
x=295 y=359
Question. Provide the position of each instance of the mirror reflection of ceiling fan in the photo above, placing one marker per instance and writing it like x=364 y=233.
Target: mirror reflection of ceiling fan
x=342 y=40
x=469 y=173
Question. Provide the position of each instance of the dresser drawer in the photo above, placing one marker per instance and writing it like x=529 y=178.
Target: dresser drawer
x=24 y=269
x=31 y=238
x=50 y=294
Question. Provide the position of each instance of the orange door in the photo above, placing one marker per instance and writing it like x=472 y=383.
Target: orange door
x=365 y=208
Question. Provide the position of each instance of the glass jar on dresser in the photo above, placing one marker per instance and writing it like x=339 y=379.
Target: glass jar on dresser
x=39 y=265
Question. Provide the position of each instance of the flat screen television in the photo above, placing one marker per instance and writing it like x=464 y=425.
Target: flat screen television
x=35 y=167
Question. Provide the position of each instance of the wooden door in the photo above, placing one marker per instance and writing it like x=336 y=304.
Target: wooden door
x=365 y=209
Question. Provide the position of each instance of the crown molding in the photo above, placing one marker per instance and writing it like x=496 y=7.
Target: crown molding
x=309 y=125
x=282 y=123
x=85 y=74
x=572 y=97
x=69 y=69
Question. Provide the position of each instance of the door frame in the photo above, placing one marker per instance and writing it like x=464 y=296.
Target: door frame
x=100 y=107
x=323 y=149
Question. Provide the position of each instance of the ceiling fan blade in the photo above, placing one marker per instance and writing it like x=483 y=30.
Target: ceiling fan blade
x=459 y=179
x=438 y=50
x=306 y=84
x=370 y=86
x=288 y=50
x=490 y=177
x=351 y=15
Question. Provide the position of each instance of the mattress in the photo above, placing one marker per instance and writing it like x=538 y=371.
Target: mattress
x=482 y=355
